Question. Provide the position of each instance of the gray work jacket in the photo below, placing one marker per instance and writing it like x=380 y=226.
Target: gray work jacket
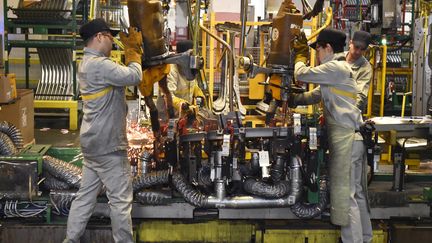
x=362 y=73
x=102 y=82
x=338 y=90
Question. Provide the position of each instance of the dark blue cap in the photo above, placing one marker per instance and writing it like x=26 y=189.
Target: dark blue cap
x=95 y=26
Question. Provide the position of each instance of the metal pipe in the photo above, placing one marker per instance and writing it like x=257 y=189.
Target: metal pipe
x=224 y=43
x=196 y=198
x=231 y=60
x=195 y=29
x=247 y=202
x=383 y=77
x=243 y=16
x=231 y=75
x=403 y=103
x=220 y=189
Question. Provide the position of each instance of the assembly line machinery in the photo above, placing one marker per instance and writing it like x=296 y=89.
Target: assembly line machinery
x=211 y=164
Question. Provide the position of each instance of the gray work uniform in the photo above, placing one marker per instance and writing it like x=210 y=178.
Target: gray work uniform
x=362 y=72
x=338 y=93
x=103 y=144
x=358 y=228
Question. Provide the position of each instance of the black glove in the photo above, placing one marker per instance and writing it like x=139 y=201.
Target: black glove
x=301 y=48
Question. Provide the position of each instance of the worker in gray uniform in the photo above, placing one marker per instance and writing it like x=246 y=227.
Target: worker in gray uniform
x=103 y=129
x=362 y=72
x=183 y=90
x=338 y=92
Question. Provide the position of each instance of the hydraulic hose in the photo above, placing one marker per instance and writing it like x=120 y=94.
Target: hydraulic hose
x=306 y=210
x=69 y=173
x=13 y=132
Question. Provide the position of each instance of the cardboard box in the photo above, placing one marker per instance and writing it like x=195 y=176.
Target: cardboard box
x=12 y=81
x=21 y=114
x=5 y=89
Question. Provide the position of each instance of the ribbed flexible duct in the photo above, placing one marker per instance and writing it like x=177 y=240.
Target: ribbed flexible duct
x=198 y=199
x=266 y=190
x=152 y=197
x=145 y=161
x=51 y=183
x=307 y=211
x=13 y=132
x=204 y=177
x=279 y=188
x=190 y=194
x=150 y=179
x=62 y=170
x=7 y=147
x=277 y=170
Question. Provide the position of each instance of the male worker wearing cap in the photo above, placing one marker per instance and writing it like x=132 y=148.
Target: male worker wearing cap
x=360 y=66
x=103 y=129
x=362 y=72
x=338 y=91
x=183 y=91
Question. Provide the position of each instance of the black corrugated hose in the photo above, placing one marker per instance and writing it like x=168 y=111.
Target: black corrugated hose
x=150 y=179
x=277 y=170
x=204 y=176
x=266 y=190
x=152 y=197
x=13 y=132
x=307 y=210
x=190 y=194
x=51 y=183
x=69 y=173
x=7 y=146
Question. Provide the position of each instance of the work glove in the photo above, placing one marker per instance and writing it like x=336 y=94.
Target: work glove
x=132 y=45
x=152 y=75
x=301 y=48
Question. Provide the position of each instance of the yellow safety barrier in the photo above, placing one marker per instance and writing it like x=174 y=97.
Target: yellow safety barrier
x=72 y=105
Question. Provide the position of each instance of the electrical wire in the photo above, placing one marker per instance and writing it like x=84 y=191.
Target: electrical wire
x=12 y=209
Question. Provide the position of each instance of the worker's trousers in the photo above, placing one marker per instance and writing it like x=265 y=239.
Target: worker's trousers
x=359 y=229
x=113 y=171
